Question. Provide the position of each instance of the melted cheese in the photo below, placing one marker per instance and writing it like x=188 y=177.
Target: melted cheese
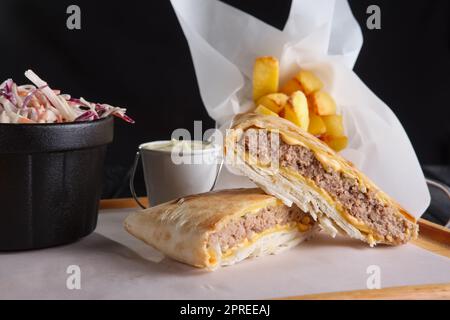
x=323 y=157
x=360 y=225
x=259 y=206
x=290 y=140
x=246 y=243
x=212 y=256
x=311 y=184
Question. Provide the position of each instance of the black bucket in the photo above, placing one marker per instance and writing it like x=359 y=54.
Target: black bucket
x=50 y=181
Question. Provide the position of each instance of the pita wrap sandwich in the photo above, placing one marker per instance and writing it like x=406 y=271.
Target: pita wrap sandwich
x=221 y=228
x=296 y=167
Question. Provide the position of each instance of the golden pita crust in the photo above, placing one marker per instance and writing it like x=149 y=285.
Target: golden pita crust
x=181 y=228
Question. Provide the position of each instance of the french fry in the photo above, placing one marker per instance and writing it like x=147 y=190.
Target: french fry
x=336 y=143
x=296 y=110
x=265 y=77
x=316 y=125
x=274 y=101
x=304 y=81
x=265 y=111
x=291 y=86
x=334 y=125
x=300 y=101
x=309 y=82
x=322 y=103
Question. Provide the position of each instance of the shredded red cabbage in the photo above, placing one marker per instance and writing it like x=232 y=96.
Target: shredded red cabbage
x=38 y=103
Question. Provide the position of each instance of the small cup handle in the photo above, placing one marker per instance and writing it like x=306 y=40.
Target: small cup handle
x=219 y=169
x=133 y=173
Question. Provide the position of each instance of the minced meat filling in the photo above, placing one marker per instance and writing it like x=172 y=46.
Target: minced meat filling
x=361 y=204
x=250 y=224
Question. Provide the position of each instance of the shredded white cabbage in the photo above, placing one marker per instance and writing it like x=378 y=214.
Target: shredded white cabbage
x=38 y=103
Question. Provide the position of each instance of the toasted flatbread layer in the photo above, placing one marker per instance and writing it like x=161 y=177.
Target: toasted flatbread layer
x=317 y=179
x=221 y=228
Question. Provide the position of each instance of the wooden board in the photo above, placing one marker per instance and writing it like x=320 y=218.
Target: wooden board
x=432 y=237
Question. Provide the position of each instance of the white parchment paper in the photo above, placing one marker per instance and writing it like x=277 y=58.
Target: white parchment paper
x=115 y=265
x=321 y=36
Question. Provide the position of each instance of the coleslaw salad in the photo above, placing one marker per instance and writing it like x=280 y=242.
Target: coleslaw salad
x=38 y=103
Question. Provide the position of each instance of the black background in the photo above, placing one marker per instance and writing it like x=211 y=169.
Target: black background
x=134 y=54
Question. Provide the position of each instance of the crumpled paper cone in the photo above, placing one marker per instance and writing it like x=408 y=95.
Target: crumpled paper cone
x=321 y=36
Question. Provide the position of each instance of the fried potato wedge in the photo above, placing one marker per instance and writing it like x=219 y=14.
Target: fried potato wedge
x=265 y=76
x=309 y=82
x=336 y=143
x=316 y=125
x=274 y=101
x=304 y=81
x=265 y=111
x=296 y=110
x=334 y=125
x=291 y=86
x=322 y=103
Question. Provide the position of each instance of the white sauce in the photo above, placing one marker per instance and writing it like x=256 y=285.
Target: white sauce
x=186 y=146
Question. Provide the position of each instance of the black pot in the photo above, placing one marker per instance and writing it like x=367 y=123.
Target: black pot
x=50 y=181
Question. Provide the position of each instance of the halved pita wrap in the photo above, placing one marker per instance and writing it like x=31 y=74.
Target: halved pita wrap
x=296 y=167
x=221 y=228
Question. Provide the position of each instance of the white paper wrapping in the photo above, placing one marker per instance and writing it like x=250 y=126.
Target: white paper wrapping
x=115 y=265
x=321 y=36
